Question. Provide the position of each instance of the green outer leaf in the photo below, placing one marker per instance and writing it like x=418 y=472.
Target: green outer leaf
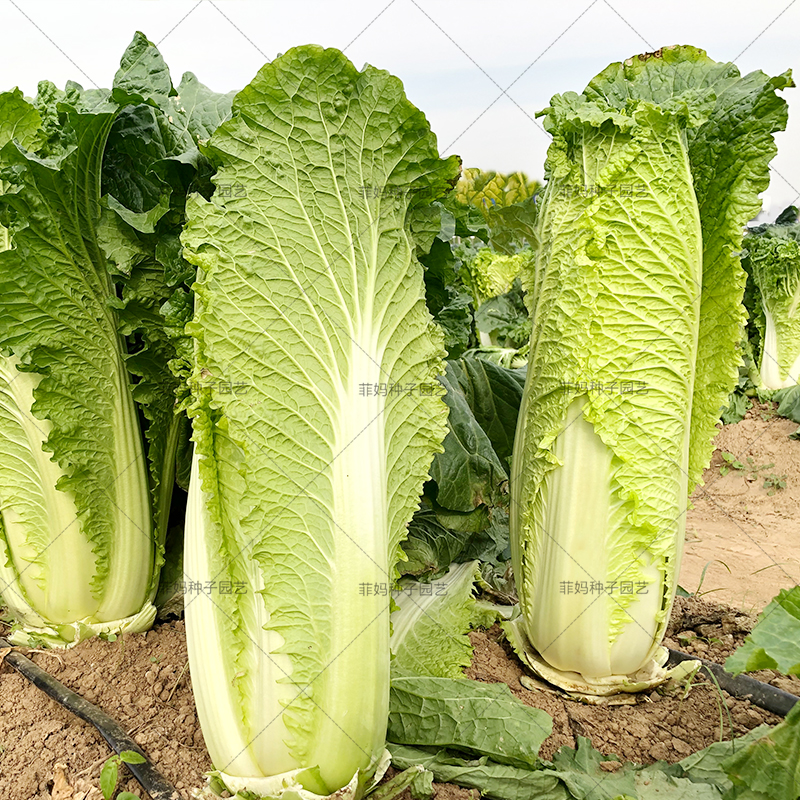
x=580 y=771
x=203 y=110
x=774 y=643
x=729 y=157
x=308 y=291
x=738 y=141
x=394 y=787
x=657 y=785
x=422 y=785
x=499 y=781
x=468 y=472
x=19 y=120
x=480 y=718
x=165 y=126
x=770 y=766
x=576 y=779
x=707 y=765
x=578 y=774
x=143 y=291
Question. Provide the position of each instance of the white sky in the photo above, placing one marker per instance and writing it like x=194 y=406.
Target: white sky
x=479 y=70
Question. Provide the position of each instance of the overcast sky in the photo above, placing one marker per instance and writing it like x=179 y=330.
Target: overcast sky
x=479 y=70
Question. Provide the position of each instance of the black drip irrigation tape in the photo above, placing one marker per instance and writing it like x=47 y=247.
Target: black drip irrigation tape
x=742 y=686
x=155 y=784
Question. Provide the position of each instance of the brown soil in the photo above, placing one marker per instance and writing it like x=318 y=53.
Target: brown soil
x=142 y=680
x=747 y=536
x=662 y=725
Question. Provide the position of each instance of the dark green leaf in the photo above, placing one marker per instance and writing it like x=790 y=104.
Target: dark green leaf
x=473 y=521
x=394 y=787
x=203 y=111
x=768 y=768
x=449 y=305
x=493 y=394
x=485 y=719
x=788 y=401
x=736 y=410
x=774 y=643
x=513 y=227
x=489 y=544
x=142 y=72
x=706 y=765
x=505 y=318
x=499 y=781
x=422 y=786
x=581 y=772
x=468 y=473
x=430 y=547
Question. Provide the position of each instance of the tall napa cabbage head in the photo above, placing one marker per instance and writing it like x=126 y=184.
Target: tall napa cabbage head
x=635 y=295
x=309 y=298
x=88 y=255
x=772 y=257
x=78 y=555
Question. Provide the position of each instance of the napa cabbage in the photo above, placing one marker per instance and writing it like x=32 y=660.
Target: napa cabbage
x=772 y=258
x=635 y=295
x=79 y=551
x=93 y=185
x=315 y=414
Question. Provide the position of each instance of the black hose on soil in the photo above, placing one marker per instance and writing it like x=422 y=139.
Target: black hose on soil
x=742 y=686
x=155 y=784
